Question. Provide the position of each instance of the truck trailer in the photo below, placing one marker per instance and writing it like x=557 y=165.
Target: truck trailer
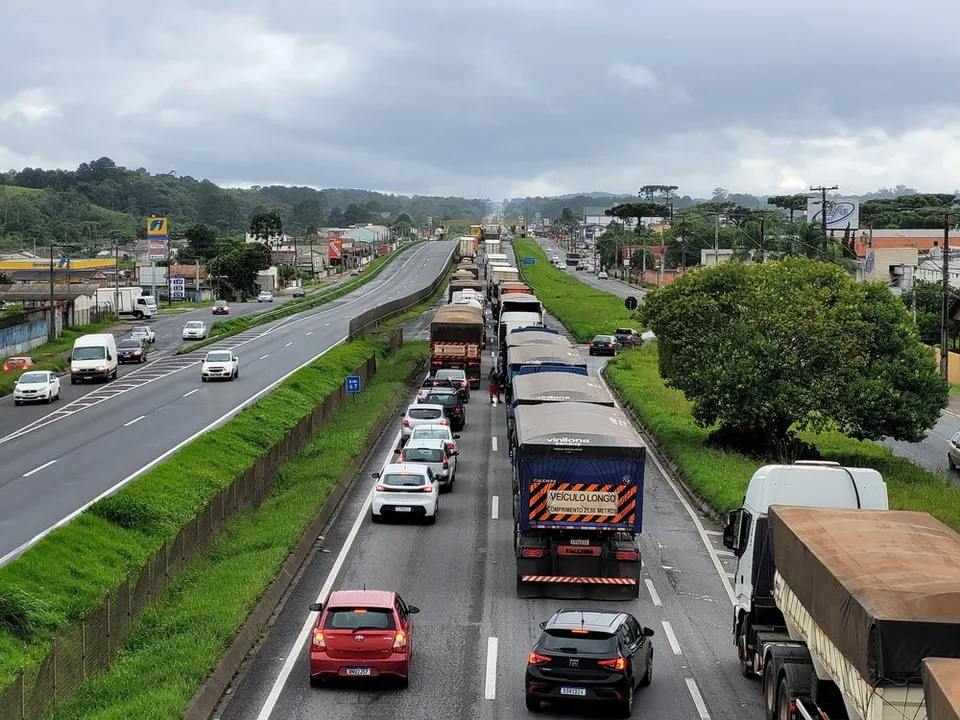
x=461 y=285
x=470 y=267
x=467 y=246
x=457 y=337
x=578 y=476
x=549 y=387
x=129 y=302
x=865 y=596
x=491 y=232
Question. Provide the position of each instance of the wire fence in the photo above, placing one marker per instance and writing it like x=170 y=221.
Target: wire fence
x=88 y=646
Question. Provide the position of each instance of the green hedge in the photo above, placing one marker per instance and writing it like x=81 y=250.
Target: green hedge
x=174 y=644
x=721 y=478
x=583 y=310
x=65 y=575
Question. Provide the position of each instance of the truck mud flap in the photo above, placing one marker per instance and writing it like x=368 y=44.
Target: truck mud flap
x=561 y=587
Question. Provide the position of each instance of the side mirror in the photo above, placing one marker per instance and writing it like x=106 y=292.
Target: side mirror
x=375 y=475
x=647 y=632
x=543 y=625
x=69 y=358
x=455 y=453
x=396 y=451
x=316 y=607
x=413 y=609
x=109 y=356
x=456 y=437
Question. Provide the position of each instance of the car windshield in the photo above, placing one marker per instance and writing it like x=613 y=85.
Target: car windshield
x=445 y=399
x=424 y=413
x=357 y=618
x=430 y=434
x=403 y=480
x=218 y=357
x=421 y=455
x=220 y=303
x=33 y=378
x=128 y=344
x=595 y=643
x=194 y=325
x=90 y=353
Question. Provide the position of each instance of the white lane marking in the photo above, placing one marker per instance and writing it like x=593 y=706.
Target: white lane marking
x=295 y=654
x=288 y=344
x=264 y=357
x=326 y=324
x=310 y=333
x=493 y=443
x=490 y=682
x=191 y=392
x=671 y=638
x=653 y=592
x=713 y=532
x=693 y=516
x=495 y=507
x=697 y=699
x=153 y=463
x=135 y=420
x=731 y=575
x=38 y=469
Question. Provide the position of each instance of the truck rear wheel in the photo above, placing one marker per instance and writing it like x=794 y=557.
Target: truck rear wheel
x=769 y=690
x=783 y=701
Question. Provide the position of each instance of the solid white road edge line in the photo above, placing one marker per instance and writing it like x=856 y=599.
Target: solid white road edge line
x=495 y=507
x=153 y=463
x=490 y=682
x=693 y=516
x=38 y=469
x=671 y=637
x=294 y=655
x=493 y=443
x=697 y=699
x=188 y=394
x=264 y=357
x=653 y=592
x=288 y=344
x=135 y=420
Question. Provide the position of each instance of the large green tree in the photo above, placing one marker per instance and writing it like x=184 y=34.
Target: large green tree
x=239 y=266
x=762 y=350
x=267 y=227
x=202 y=241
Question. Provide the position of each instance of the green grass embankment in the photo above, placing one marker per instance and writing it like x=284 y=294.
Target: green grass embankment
x=583 y=310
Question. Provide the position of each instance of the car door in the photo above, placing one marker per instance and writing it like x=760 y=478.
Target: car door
x=643 y=648
x=406 y=620
x=451 y=460
x=628 y=646
x=55 y=384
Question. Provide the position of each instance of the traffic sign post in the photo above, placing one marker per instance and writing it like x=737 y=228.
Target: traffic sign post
x=353 y=384
x=630 y=303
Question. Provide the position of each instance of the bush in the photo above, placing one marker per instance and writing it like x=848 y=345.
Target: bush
x=583 y=310
x=21 y=614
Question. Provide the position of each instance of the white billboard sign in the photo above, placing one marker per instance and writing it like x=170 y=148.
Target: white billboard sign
x=841 y=212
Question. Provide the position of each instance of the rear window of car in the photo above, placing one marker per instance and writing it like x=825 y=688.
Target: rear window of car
x=424 y=413
x=596 y=643
x=436 y=382
x=403 y=480
x=421 y=455
x=457 y=374
x=357 y=618
x=430 y=434
x=623 y=331
x=445 y=399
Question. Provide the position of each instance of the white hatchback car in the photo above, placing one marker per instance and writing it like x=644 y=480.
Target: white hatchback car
x=435 y=455
x=144 y=332
x=421 y=414
x=36 y=386
x=220 y=365
x=435 y=432
x=602 y=275
x=408 y=490
x=195 y=330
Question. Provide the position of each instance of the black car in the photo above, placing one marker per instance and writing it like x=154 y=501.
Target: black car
x=627 y=336
x=132 y=350
x=453 y=406
x=604 y=345
x=589 y=656
x=458 y=379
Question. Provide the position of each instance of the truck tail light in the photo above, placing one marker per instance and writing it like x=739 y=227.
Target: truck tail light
x=531 y=553
x=627 y=556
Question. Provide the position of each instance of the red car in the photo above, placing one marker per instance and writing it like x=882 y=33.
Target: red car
x=362 y=633
x=18 y=363
x=220 y=307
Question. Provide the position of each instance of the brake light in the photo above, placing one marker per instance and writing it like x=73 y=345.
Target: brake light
x=445 y=464
x=627 y=556
x=451 y=447
x=381 y=488
x=619 y=664
x=463 y=383
x=400 y=643
x=629 y=337
x=537 y=659
x=318 y=644
x=531 y=553
x=406 y=423
x=444 y=421
x=428 y=489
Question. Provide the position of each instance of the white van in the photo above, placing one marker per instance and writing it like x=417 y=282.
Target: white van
x=94 y=357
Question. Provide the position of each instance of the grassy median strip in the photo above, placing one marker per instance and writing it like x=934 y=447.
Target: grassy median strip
x=583 y=310
x=53 y=356
x=227 y=328
x=174 y=644
x=66 y=574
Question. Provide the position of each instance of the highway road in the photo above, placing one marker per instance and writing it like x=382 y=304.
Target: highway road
x=472 y=637
x=87 y=448
x=614 y=287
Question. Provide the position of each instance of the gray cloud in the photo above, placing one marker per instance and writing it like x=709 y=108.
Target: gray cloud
x=434 y=96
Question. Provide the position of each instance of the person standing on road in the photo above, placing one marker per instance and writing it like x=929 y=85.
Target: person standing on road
x=494 y=378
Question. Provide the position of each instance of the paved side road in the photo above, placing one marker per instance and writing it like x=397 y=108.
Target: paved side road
x=614 y=287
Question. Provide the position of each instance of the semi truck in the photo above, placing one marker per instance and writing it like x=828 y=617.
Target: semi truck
x=529 y=359
x=467 y=246
x=578 y=479
x=491 y=232
x=549 y=387
x=461 y=285
x=457 y=337
x=127 y=302
x=469 y=267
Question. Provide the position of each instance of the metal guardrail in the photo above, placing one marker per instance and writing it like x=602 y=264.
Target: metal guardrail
x=374 y=316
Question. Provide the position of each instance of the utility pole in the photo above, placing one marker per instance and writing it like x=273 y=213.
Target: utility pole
x=823 y=210
x=716 y=240
x=116 y=275
x=760 y=256
x=945 y=315
x=51 y=320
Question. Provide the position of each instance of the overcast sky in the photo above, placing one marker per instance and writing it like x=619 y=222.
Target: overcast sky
x=488 y=97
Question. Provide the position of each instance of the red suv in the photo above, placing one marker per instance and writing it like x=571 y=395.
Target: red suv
x=361 y=633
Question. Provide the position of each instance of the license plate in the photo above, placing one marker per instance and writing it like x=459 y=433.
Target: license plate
x=403 y=509
x=358 y=671
x=578 y=692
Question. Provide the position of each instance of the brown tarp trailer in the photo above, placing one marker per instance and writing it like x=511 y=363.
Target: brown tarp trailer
x=457 y=338
x=883 y=585
x=462 y=285
x=470 y=268
x=941 y=688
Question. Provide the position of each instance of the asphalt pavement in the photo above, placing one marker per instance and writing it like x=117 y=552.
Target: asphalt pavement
x=611 y=285
x=57 y=464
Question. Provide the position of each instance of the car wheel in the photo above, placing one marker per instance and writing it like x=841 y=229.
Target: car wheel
x=432 y=519
x=316 y=681
x=49 y=399
x=648 y=675
x=952 y=464
x=404 y=682
x=57 y=396
x=73 y=381
x=626 y=709
x=533 y=704
x=16 y=402
x=202 y=379
x=375 y=519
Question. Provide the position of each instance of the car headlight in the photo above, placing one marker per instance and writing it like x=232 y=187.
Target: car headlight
x=101 y=367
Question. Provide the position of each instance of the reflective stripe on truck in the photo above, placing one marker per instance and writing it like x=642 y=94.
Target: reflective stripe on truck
x=579 y=580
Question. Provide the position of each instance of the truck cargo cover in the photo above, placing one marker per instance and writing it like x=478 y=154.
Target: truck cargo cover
x=941 y=688
x=540 y=354
x=465 y=284
x=514 y=285
x=883 y=585
x=518 y=338
x=458 y=315
x=605 y=431
x=560 y=387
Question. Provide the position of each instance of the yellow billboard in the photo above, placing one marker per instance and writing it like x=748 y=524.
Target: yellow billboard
x=58 y=263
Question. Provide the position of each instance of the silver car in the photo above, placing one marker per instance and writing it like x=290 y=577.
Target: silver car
x=435 y=432
x=421 y=414
x=435 y=454
x=195 y=330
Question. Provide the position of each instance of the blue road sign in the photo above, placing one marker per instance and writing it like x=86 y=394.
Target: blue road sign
x=529 y=261
x=353 y=383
